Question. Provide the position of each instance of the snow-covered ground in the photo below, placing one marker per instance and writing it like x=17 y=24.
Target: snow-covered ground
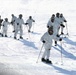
x=18 y=57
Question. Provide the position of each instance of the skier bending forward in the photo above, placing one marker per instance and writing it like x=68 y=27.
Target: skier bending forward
x=47 y=43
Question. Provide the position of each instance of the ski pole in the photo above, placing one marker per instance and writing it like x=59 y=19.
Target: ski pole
x=39 y=53
x=61 y=53
x=67 y=29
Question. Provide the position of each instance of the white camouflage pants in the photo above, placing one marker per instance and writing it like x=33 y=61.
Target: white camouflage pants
x=46 y=53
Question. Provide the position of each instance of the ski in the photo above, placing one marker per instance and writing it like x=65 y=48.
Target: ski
x=47 y=62
x=19 y=38
x=14 y=38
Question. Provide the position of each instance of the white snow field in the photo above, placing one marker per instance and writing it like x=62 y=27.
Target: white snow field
x=19 y=57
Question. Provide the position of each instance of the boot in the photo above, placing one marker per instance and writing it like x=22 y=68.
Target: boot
x=28 y=30
x=62 y=33
x=43 y=60
x=21 y=37
x=55 y=43
x=5 y=35
x=14 y=37
x=2 y=35
x=48 y=61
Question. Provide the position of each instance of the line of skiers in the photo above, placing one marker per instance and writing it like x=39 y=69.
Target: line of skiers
x=53 y=25
x=52 y=33
x=17 y=25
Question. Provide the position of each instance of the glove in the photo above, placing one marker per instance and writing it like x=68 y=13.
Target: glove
x=65 y=21
x=62 y=25
x=58 y=35
x=33 y=20
x=12 y=23
x=43 y=41
x=47 y=26
x=1 y=20
x=60 y=39
x=26 y=23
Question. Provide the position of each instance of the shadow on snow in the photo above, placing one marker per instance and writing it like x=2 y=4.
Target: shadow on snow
x=35 y=33
x=68 y=41
x=64 y=71
x=67 y=54
x=29 y=43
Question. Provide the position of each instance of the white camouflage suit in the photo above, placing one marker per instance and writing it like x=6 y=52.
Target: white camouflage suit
x=49 y=24
x=48 y=44
x=29 y=21
x=5 y=27
x=56 y=26
x=18 y=26
x=13 y=20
